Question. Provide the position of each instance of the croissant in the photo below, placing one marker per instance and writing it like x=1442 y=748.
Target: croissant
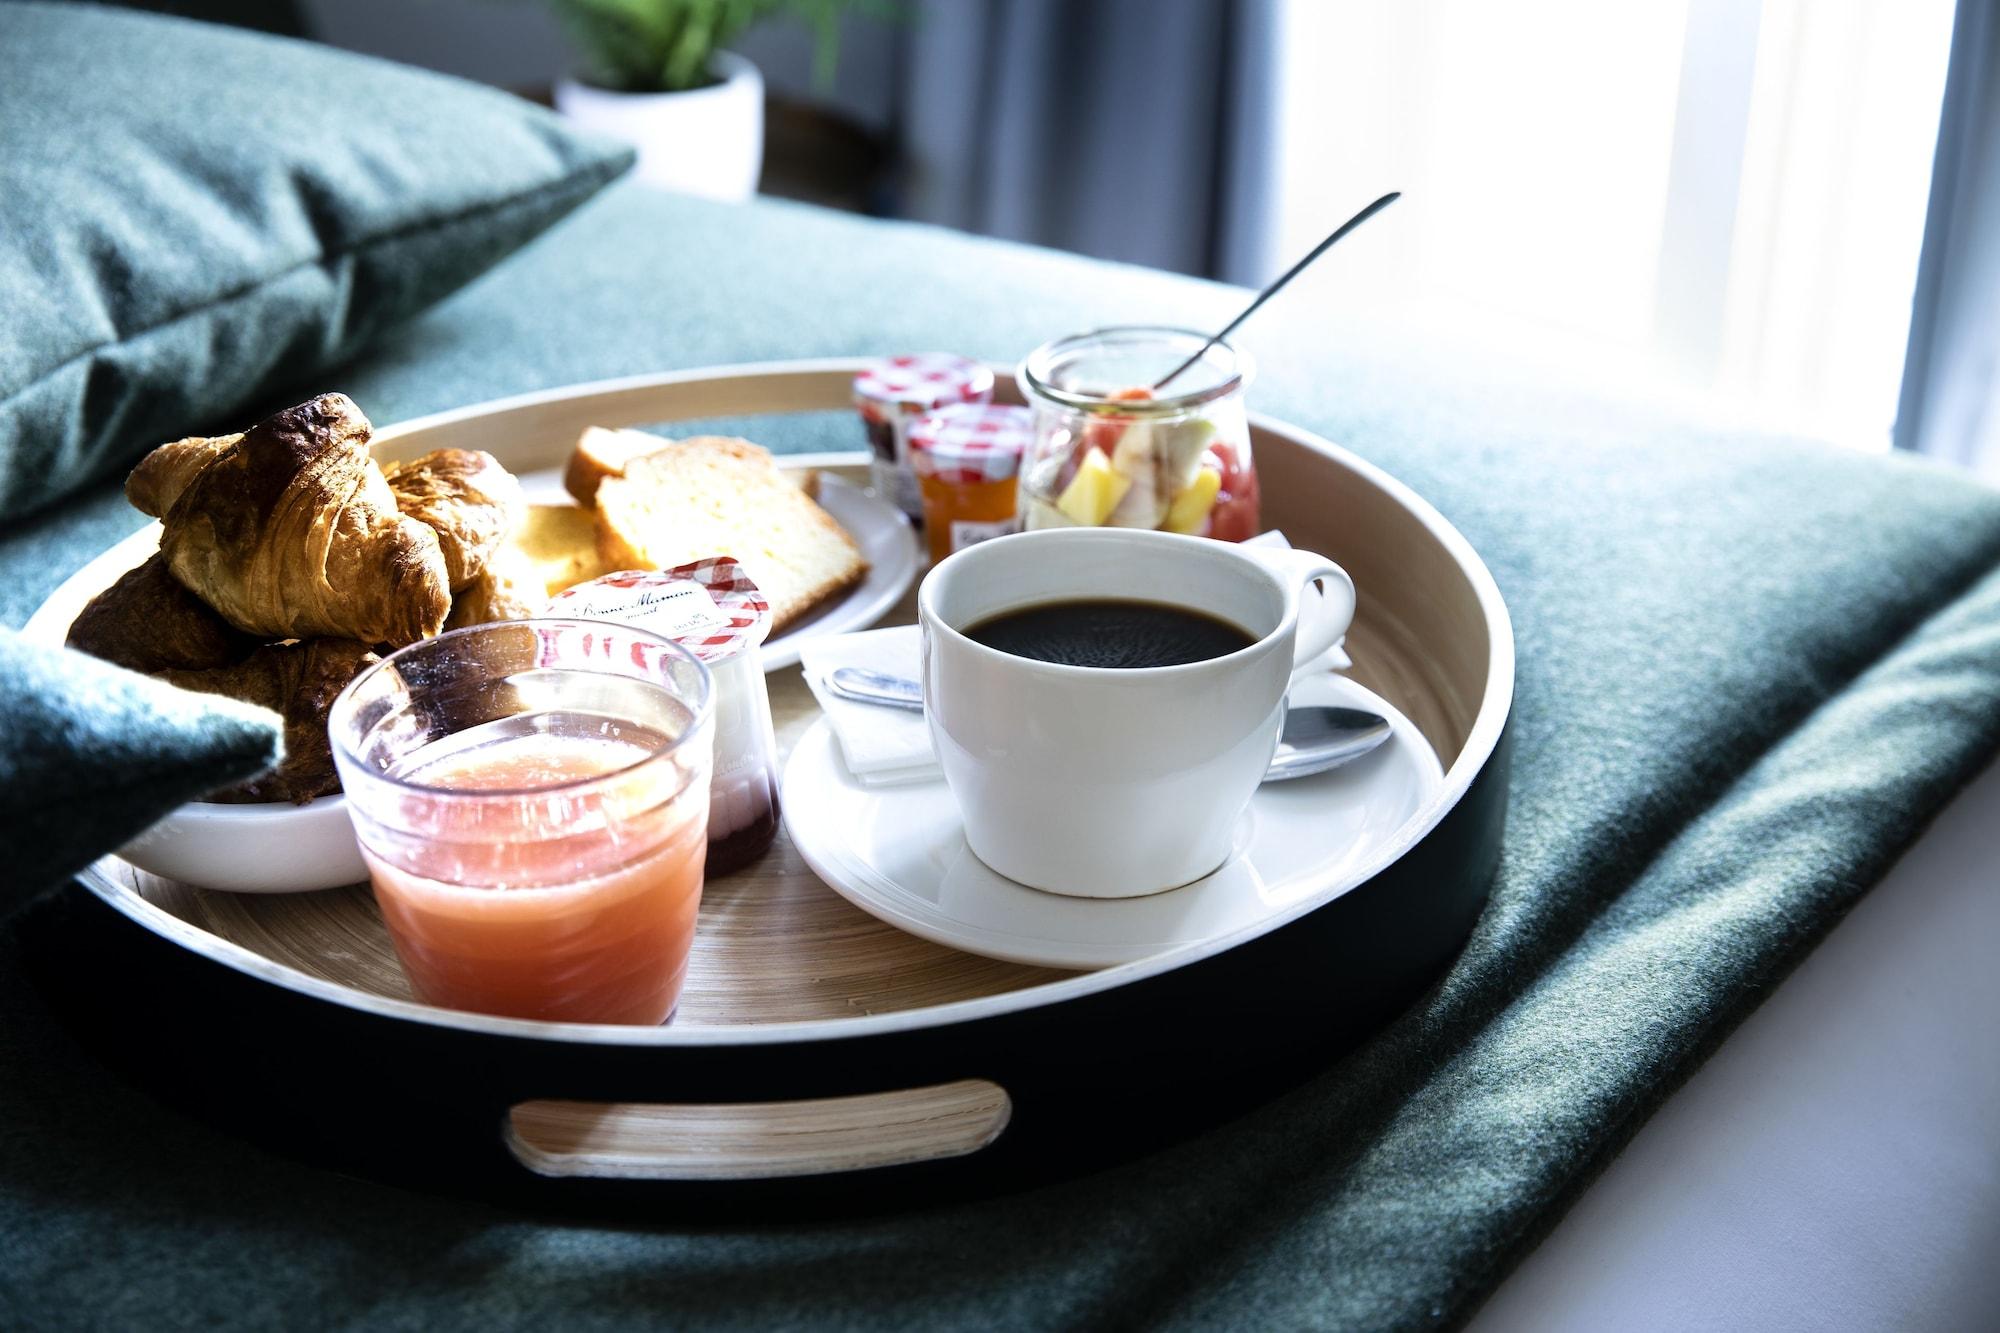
x=290 y=531
x=164 y=473
x=509 y=588
x=148 y=622
x=467 y=498
x=298 y=681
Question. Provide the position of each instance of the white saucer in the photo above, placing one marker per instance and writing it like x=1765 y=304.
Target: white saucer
x=899 y=853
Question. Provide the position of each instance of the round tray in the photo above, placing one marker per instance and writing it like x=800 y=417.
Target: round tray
x=816 y=1047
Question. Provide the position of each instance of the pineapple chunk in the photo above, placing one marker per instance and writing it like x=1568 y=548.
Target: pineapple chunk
x=1094 y=492
x=1190 y=508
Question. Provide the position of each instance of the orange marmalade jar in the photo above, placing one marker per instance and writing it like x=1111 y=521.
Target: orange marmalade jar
x=967 y=459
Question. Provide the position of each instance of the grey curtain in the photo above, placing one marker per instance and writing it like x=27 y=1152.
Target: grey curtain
x=1950 y=404
x=1127 y=129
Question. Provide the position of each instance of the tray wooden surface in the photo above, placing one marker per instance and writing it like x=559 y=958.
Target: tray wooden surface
x=945 y=1069
x=774 y=944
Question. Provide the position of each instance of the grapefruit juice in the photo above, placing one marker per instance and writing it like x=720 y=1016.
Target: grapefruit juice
x=559 y=875
x=531 y=797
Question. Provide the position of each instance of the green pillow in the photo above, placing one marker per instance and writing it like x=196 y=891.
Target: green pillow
x=195 y=215
x=92 y=754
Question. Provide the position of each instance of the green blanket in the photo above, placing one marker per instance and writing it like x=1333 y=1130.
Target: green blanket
x=1750 y=670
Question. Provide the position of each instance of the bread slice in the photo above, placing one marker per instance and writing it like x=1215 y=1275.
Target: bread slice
x=560 y=541
x=714 y=495
x=602 y=453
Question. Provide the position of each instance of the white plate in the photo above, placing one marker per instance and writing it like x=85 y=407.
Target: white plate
x=890 y=543
x=268 y=847
x=899 y=853
x=881 y=530
x=278 y=847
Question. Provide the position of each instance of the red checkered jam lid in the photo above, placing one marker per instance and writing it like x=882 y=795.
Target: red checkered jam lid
x=969 y=443
x=921 y=382
x=710 y=607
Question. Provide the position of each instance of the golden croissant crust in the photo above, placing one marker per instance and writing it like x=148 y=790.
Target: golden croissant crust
x=290 y=531
x=299 y=682
x=165 y=472
x=148 y=622
x=509 y=588
x=467 y=498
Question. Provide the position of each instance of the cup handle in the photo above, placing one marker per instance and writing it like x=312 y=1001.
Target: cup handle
x=1323 y=619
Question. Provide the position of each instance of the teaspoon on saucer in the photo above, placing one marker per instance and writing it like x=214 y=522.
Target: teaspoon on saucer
x=1315 y=739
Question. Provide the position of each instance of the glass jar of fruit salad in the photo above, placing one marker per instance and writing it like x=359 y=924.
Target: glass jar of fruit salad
x=1110 y=452
x=966 y=457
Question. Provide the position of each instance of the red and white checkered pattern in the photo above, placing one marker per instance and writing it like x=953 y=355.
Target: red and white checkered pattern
x=921 y=382
x=969 y=443
x=579 y=645
x=726 y=584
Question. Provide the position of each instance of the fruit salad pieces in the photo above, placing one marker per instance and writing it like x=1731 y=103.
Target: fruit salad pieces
x=1128 y=472
x=1127 y=458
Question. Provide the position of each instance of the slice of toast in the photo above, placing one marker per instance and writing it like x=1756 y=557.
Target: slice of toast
x=560 y=541
x=714 y=495
x=602 y=453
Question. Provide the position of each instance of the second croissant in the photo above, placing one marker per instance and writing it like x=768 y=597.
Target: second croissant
x=288 y=559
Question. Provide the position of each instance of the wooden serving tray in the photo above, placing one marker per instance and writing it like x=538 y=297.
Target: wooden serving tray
x=813 y=1041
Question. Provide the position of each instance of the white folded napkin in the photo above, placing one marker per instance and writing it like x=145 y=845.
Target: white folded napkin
x=886 y=746
x=882 y=746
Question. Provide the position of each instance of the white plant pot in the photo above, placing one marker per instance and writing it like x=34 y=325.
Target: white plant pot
x=709 y=141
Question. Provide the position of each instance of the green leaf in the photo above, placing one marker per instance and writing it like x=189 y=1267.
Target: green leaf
x=669 y=45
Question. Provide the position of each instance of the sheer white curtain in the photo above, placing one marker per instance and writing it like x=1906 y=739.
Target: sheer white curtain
x=1729 y=193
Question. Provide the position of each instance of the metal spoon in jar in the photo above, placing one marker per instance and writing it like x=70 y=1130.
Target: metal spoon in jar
x=1275 y=287
x=1316 y=737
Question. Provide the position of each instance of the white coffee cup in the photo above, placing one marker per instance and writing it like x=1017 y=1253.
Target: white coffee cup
x=1115 y=782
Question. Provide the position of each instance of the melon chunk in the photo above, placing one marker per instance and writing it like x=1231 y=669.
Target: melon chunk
x=1094 y=492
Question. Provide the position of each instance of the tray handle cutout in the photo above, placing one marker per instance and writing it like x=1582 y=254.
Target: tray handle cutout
x=757 y=1140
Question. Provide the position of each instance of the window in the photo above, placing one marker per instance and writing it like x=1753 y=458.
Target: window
x=1728 y=194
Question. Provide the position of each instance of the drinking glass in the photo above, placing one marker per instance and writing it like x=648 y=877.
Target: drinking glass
x=531 y=798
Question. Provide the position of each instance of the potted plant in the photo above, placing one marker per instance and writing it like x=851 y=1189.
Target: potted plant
x=656 y=74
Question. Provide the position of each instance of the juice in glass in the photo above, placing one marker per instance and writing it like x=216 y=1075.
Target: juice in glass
x=535 y=828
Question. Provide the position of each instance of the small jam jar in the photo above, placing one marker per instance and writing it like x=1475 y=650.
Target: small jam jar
x=966 y=458
x=893 y=394
x=1108 y=451
x=712 y=609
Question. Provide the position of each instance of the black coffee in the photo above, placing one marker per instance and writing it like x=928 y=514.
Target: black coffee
x=1108 y=632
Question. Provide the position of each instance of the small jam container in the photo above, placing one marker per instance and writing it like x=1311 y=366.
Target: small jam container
x=712 y=609
x=893 y=394
x=967 y=458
